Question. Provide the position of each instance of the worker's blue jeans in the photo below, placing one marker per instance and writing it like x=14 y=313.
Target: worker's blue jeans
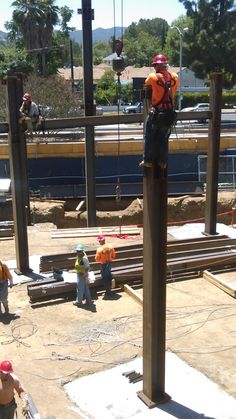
x=106 y=276
x=83 y=290
x=155 y=141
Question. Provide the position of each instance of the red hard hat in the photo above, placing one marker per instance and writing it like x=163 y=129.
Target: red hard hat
x=6 y=367
x=159 y=59
x=101 y=238
x=26 y=97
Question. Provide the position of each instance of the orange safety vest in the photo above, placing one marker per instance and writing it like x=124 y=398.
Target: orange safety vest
x=164 y=85
x=105 y=253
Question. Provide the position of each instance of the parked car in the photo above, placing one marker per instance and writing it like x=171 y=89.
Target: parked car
x=198 y=107
x=136 y=108
x=99 y=110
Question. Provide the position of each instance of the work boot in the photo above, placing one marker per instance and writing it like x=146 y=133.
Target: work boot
x=75 y=303
x=162 y=164
x=5 y=305
x=144 y=163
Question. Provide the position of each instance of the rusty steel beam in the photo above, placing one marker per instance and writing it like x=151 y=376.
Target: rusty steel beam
x=83 y=121
x=213 y=153
x=154 y=285
x=18 y=168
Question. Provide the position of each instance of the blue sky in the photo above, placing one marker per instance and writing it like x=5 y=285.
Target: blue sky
x=133 y=10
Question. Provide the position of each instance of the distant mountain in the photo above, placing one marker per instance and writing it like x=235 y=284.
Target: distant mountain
x=3 y=36
x=98 y=34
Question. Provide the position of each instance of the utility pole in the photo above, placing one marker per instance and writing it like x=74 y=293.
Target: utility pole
x=181 y=34
x=87 y=17
x=72 y=65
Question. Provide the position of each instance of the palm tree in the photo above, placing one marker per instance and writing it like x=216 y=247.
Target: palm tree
x=33 y=20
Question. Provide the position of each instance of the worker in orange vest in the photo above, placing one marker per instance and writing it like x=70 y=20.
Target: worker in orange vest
x=161 y=87
x=105 y=255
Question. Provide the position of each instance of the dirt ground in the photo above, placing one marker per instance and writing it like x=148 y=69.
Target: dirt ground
x=51 y=343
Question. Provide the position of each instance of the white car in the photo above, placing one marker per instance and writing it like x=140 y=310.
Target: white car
x=198 y=107
x=136 y=108
x=99 y=110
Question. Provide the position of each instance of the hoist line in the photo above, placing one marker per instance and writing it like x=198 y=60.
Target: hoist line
x=114 y=21
x=118 y=91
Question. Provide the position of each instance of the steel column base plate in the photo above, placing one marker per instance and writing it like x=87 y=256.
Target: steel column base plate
x=162 y=398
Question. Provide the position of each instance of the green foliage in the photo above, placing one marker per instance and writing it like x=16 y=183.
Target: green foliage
x=191 y=99
x=52 y=91
x=140 y=51
x=143 y=40
x=33 y=22
x=172 y=46
x=14 y=60
x=211 y=43
x=66 y=15
x=108 y=91
x=32 y=26
x=100 y=50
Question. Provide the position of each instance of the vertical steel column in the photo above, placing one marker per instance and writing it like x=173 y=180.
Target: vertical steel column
x=87 y=17
x=72 y=66
x=19 y=184
x=213 y=153
x=154 y=285
x=24 y=153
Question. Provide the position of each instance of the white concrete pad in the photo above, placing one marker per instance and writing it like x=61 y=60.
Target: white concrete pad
x=195 y=230
x=109 y=394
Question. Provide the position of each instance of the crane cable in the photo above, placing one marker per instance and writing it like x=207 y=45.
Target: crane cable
x=118 y=66
x=118 y=187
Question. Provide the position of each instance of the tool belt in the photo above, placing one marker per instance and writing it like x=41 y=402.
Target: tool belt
x=164 y=118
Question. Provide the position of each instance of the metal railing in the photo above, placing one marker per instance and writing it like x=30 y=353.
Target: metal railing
x=227 y=171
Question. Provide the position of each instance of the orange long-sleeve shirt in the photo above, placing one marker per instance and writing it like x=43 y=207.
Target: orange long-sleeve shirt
x=105 y=253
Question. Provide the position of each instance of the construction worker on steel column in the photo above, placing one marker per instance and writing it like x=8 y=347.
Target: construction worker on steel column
x=161 y=85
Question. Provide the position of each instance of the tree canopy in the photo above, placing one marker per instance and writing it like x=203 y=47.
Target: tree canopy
x=211 y=43
x=143 y=40
x=32 y=26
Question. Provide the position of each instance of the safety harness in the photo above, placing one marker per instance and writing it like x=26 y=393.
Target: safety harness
x=166 y=101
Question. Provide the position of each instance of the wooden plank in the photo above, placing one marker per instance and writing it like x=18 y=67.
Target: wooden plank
x=134 y=294
x=58 y=235
x=227 y=284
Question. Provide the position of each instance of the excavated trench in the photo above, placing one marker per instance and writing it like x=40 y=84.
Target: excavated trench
x=65 y=214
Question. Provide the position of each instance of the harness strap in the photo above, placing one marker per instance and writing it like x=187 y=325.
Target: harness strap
x=166 y=100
